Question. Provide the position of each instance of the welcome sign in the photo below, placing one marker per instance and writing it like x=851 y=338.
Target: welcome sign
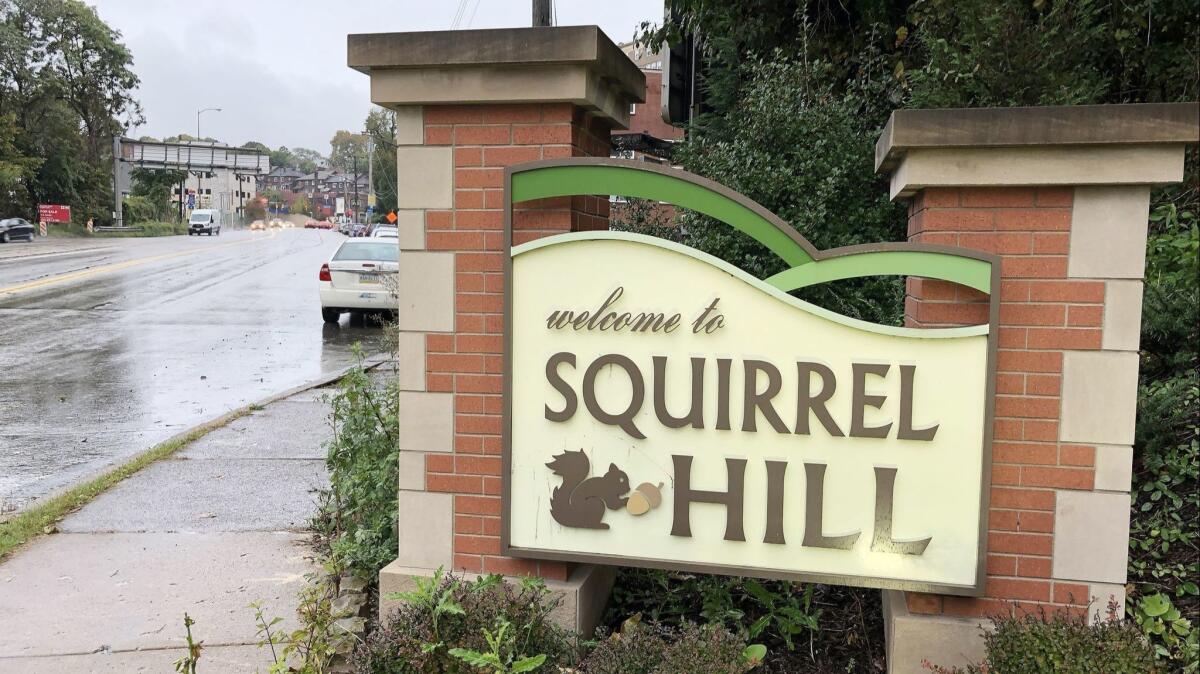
x=664 y=408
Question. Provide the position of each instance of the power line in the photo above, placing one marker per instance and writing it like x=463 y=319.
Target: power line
x=458 y=14
x=472 y=19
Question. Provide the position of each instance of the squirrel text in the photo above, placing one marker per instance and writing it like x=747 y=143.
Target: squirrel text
x=761 y=381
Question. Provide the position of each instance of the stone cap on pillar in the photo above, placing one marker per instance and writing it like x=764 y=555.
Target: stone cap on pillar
x=1124 y=144
x=567 y=64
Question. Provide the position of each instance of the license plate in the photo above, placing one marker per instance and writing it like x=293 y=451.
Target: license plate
x=368 y=278
x=366 y=296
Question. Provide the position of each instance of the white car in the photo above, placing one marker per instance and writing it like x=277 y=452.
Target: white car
x=386 y=233
x=355 y=277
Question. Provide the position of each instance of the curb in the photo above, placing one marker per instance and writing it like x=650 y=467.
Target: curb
x=369 y=363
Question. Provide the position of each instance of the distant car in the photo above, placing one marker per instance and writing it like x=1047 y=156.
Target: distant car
x=311 y=224
x=276 y=223
x=385 y=233
x=204 y=221
x=359 y=229
x=353 y=279
x=16 y=228
x=257 y=226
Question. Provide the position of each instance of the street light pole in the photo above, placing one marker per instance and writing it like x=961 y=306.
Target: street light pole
x=198 y=113
x=199 y=178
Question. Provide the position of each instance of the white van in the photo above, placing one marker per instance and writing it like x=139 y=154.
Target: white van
x=204 y=221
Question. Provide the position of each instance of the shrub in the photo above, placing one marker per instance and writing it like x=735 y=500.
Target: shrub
x=774 y=612
x=1061 y=644
x=447 y=621
x=358 y=518
x=655 y=648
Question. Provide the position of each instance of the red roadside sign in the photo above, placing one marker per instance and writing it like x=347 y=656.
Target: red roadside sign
x=54 y=213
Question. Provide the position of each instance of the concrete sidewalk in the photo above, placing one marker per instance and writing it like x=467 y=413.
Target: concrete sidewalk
x=210 y=530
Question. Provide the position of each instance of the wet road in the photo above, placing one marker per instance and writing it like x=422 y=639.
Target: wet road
x=107 y=348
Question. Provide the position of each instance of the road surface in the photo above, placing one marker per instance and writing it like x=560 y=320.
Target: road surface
x=108 y=347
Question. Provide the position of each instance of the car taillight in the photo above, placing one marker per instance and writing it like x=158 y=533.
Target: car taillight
x=324 y=275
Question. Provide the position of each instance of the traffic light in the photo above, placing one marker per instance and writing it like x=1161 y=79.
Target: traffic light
x=681 y=66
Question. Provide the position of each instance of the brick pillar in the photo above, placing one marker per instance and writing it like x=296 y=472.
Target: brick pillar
x=466 y=364
x=470 y=103
x=1065 y=206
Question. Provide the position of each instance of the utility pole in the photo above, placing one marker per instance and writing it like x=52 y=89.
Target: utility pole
x=541 y=12
x=356 y=207
x=118 y=215
x=371 y=173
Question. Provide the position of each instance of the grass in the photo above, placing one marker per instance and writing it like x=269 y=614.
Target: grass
x=148 y=229
x=38 y=519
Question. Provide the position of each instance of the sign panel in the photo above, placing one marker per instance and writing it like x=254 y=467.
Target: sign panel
x=667 y=409
x=54 y=213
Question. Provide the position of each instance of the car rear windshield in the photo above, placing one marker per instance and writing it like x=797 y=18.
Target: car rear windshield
x=368 y=250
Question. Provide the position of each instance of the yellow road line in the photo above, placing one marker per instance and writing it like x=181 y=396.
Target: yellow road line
x=116 y=266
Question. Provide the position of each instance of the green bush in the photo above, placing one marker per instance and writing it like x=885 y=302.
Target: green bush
x=448 y=624
x=1165 y=521
x=662 y=649
x=776 y=613
x=357 y=518
x=1061 y=644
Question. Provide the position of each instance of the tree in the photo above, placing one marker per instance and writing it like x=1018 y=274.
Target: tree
x=381 y=127
x=300 y=205
x=17 y=170
x=348 y=151
x=307 y=160
x=66 y=85
x=302 y=159
x=155 y=186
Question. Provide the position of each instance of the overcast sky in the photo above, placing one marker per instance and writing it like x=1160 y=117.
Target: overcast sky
x=277 y=68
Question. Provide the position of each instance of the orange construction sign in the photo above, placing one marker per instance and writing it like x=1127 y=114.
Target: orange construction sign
x=391 y=217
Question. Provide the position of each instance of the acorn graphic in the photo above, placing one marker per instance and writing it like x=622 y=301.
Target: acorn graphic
x=645 y=497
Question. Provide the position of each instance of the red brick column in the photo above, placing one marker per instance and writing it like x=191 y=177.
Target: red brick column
x=1043 y=313
x=468 y=361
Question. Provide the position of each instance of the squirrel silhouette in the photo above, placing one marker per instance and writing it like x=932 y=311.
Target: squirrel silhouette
x=580 y=500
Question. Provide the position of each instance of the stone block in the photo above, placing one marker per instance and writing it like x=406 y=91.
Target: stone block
x=583 y=596
x=410 y=228
x=426 y=290
x=941 y=640
x=1114 y=467
x=1108 y=232
x=1099 y=397
x=412 y=471
x=410 y=355
x=1091 y=536
x=426 y=421
x=1122 y=316
x=426 y=530
x=424 y=177
x=410 y=125
x=1101 y=594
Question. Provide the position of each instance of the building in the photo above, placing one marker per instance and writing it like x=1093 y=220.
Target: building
x=648 y=138
x=646 y=118
x=222 y=189
x=281 y=178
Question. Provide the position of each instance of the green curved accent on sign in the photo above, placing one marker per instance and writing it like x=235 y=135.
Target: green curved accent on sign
x=769 y=289
x=966 y=271
x=563 y=181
